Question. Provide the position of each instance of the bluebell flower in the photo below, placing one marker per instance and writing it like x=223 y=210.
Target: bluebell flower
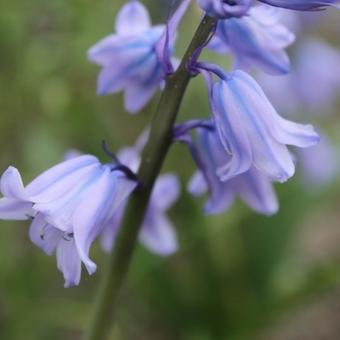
x=136 y=58
x=70 y=204
x=255 y=40
x=157 y=232
x=254 y=188
x=303 y=5
x=251 y=130
x=223 y=9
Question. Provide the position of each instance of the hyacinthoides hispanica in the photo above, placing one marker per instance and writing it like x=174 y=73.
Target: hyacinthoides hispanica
x=240 y=150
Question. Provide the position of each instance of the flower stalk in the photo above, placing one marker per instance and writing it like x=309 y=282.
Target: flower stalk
x=153 y=157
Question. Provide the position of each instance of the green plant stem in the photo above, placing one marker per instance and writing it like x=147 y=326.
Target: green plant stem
x=153 y=157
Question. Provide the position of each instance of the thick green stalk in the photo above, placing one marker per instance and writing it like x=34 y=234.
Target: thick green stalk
x=152 y=159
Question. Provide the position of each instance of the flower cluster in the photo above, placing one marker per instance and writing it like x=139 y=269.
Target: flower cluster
x=241 y=150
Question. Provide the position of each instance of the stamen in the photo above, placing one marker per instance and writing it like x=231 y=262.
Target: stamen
x=42 y=232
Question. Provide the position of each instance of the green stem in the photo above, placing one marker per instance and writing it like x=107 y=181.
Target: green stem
x=153 y=157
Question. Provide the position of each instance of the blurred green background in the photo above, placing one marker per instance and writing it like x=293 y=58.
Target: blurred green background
x=237 y=276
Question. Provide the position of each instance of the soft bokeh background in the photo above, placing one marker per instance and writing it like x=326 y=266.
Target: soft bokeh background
x=237 y=276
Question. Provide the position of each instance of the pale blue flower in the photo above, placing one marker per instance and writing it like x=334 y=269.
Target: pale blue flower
x=255 y=40
x=70 y=204
x=254 y=188
x=252 y=132
x=135 y=59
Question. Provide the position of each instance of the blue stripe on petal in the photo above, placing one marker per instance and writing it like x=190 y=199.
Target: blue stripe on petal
x=232 y=133
x=68 y=262
x=96 y=209
x=58 y=172
x=58 y=211
x=132 y=18
x=123 y=74
x=268 y=155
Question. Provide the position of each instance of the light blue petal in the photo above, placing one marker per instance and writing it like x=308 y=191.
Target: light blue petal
x=130 y=157
x=133 y=18
x=123 y=188
x=197 y=185
x=268 y=154
x=165 y=192
x=11 y=209
x=137 y=96
x=254 y=188
x=257 y=191
x=108 y=236
x=233 y=136
x=11 y=185
x=68 y=262
x=43 y=235
x=257 y=39
x=136 y=69
x=65 y=186
x=158 y=234
x=59 y=211
x=96 y=209
x=213 y=157
x=57 y=173
x=283 y=130
x=116 y=47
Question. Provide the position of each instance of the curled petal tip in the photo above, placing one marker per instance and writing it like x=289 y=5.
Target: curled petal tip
x=91 y=267
x=69 y=284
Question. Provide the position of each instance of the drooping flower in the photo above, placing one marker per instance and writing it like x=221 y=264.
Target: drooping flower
x=255 y=40
x=222 y=9
x=319 y=164
x=303 y=5
x=136 y=58
x=70 y=204
x=252 y=132
x=254 y=188
x=157 y=232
